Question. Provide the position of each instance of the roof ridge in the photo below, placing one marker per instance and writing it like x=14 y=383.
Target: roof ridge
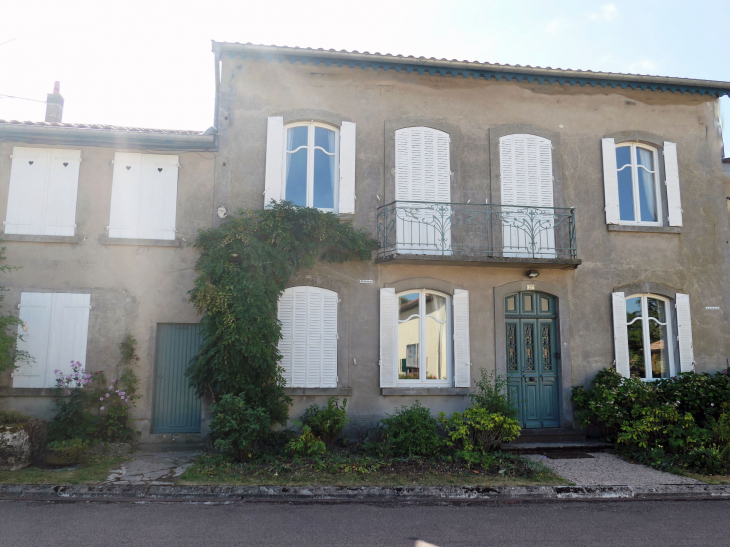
x=101 y=127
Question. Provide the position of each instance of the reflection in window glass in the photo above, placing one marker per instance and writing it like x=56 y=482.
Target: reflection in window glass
x=296 y=165
x=435 y=337
x=324 y=168
x=409 y=334
x=637 y=189
x=645 y=174
x=636 y=337
x=658 y=338
x=648 y=332
x=311 y=166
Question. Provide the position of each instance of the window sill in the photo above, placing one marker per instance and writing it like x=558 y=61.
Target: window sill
x=40 y=239
x=28 y=392
x=313 y=391
x=140 y=242
x=646 y=229
x=424 y=391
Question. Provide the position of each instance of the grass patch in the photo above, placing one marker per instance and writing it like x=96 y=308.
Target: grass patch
x=93 y=469
x=709 y=479
x=343 y=469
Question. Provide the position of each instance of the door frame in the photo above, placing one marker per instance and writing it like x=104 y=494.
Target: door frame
x=562 y=343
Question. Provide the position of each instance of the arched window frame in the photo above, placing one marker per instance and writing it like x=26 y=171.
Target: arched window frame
x=645 y=322
x=310 y=162
x=634 y=167
x=424 y=381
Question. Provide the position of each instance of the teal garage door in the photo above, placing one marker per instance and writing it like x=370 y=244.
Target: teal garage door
x=176 y=408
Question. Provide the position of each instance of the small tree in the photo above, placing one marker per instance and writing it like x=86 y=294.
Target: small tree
x=9 y=352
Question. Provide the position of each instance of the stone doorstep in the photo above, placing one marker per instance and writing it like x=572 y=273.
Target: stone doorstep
x=363 y=494
x=543 y=447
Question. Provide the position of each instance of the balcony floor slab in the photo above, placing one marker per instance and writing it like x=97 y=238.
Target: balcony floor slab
x=493 y=261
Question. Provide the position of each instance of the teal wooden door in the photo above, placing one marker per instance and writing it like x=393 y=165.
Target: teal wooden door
x=176 y=408
x=532 y=358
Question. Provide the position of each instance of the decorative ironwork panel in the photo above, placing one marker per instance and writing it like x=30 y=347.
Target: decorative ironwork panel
x=546 y=353
x=512 y=346
x=529 y=353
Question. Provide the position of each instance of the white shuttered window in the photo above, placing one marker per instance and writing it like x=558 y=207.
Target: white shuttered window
x=144 y=196
x=43 y=189
x=54 y=332
x=308 y=344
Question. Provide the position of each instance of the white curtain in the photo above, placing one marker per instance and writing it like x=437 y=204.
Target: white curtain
x=647 y=187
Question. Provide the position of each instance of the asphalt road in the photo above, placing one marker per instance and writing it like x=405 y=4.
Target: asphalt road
x=664 y=524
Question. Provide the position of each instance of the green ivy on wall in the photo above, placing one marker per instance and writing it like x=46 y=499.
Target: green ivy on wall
x=244 y=267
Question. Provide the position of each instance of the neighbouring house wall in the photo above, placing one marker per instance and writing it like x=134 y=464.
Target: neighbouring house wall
x=132 y=287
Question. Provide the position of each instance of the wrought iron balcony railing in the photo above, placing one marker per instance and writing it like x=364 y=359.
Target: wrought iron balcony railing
x=476 y=230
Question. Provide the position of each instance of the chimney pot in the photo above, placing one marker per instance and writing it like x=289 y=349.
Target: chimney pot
x=54 y=105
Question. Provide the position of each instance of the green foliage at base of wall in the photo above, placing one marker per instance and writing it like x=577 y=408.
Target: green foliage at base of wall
x=244 y=267
x=9 y=352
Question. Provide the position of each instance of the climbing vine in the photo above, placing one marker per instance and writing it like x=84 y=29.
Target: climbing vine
x=243 y=269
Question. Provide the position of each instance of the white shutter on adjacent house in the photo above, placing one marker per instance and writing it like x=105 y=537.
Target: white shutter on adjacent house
x=684 y=334
x=388 y=337
x=462 y=351
x=620 y=334
x=671 y=168
x=308 y=345
x=58 y=326
x=347 y=168
x=274 y=157
x=422 y=165
x=610 y=181
x=43 y=189
x=144 y=196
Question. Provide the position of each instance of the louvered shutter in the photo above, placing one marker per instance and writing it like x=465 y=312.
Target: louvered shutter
x=422 y=165
x=620 y=334
x=462 y=351
x=314 y=337
x=26 y=197
x=610 y=181
x=299 y=337
x=347 y=168
x=329 y=338
x=158 y=197
x=125 y=206
x=684 y=334
x=388 y=337
x=274 y=160
x=286 y=318
x=61 y=192
x=671 y=168
x=35 y=313
x=69 y=332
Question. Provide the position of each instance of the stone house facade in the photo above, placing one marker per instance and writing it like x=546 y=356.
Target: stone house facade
x=535 y=223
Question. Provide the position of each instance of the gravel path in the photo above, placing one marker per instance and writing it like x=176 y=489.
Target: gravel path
x=608 y=469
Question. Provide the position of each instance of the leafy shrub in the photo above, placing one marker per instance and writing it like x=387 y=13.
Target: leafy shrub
x=490 y=393
x=307 y=444
x=328 y=421
x=478 y=430
x=70 y=449
x=13 y=417
x=238 y=428
x=702 y=395
x=410 y=431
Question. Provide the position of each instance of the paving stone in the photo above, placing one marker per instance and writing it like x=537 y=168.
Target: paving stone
x=152 y=468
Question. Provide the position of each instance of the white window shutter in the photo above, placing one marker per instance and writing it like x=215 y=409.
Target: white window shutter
x=388 y=337
x=684 y=334
x=526 y=170
x=610 y=181
x=422 y=165
x=28 y=183
x=347 y=168
x=620 y=335
x=671 y=168
x=329 y=338
x=69 y=332
x=158 y=197
x=286 y=318
x=126 y=183
x=35 y=312
x=299 y=337
x=314 y=337
x=274 y=182
x=462 y=346
x=62 y=188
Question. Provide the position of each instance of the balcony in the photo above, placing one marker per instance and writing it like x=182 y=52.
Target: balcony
x=476 y=234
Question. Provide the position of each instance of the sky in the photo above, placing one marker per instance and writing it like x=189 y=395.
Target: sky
x=149 y=63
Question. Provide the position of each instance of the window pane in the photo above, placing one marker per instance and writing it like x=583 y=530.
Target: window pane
x=324 y=138
x=636 y=337
x=625 y=194
x=647 y=197
x=528 y=302
x=658 y=338
x=544 y=304
x=623 y=156
x=296 y=165
x=511 y=303
x=324 y=180
x=296 y=137
x=436 y=355
x=408 y=336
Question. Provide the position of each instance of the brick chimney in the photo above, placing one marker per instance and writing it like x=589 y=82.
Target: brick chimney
x=54 y=105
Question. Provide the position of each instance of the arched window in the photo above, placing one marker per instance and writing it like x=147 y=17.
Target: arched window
x=311 y=165
x=650 y=340
x=308 y=344
x=638 y=184
x=424 y=337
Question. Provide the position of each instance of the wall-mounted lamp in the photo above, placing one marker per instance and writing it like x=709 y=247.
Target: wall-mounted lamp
x=532 y=274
